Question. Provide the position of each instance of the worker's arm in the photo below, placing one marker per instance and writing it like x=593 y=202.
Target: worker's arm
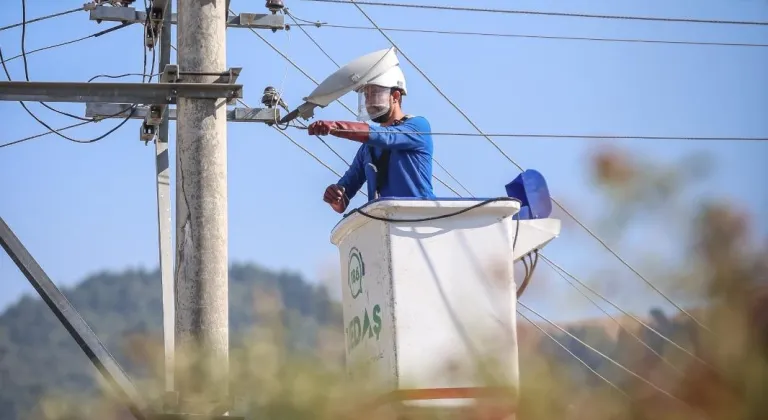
x=354 y=178
x=411 y=135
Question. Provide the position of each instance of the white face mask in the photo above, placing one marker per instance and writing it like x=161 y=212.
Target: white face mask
x=372 y=102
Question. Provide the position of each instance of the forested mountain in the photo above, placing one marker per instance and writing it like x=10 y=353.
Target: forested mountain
x=39 y=358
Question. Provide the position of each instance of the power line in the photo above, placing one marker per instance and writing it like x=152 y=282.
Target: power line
x=311 y=38
x=94 y=35
x=120 y=76
x=57 y=131
x=469 y=120
x=307 y=151
x=532 y=12
x=580 y=136
x=529 y=36
x=617 y=364
x=559 y=269
x=619 y=324
x=44 y=134
x=26 y=67
x=606 y=380
x=42 y=18
x=454 y=179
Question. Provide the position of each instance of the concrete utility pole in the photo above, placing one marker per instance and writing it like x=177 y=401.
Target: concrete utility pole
x=202 y=321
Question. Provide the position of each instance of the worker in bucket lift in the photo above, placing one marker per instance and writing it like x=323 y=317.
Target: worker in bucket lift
x=395 y=157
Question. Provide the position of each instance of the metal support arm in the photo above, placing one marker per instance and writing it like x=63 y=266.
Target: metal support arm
x=72 y=321
x=134 y=93
x=243 y=20
x=120 y=110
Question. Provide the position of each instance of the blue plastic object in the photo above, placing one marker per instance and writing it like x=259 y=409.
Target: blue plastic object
x=530 y=188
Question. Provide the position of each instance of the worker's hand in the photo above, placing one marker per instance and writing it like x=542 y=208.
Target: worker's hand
x=320 y=128
x=334 y=195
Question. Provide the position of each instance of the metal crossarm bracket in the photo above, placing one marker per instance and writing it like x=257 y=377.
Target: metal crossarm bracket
x=243 y=20
x=119 y=110
x=137 y=93
x=262 y=115
x=170 y=74
x=257 y=21
x=230 y=76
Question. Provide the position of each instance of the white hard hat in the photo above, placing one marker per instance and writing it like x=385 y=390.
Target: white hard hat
x=374 y=95
x=392 y=78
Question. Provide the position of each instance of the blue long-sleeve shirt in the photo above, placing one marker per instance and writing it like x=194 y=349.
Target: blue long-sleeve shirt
x=410 y=161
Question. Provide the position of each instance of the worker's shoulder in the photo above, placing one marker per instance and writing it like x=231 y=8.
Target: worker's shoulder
x=419 y=121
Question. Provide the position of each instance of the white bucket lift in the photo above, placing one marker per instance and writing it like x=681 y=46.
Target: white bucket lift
x=421 y=296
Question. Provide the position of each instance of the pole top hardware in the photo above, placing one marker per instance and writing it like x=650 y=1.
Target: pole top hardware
x=275 y=6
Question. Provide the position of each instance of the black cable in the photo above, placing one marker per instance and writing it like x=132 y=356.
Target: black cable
x=528 y=271
x=118 y=76
x=23 y=55
x=26 y=67
x=11 y=143
x=42 y=18
x=61 y=44
x=443 y=216
x=531 y=12
x=55 y=131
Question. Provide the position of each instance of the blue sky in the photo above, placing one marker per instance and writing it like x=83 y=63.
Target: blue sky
x=85 y=208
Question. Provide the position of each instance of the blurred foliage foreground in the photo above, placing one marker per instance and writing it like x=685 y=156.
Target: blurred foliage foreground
x=722 y=374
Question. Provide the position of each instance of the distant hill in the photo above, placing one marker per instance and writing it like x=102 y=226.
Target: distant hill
x=38 y=357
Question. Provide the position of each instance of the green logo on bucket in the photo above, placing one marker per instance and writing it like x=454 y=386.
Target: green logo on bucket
x=356 y=272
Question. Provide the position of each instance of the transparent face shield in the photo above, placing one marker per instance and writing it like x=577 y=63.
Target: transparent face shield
x=372 y=102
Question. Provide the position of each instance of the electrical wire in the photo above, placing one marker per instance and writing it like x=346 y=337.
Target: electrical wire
x=42 y=18
x=530 y=36
x=583 y=226
x=617 y=364
x=11 y=143
x=57 y=131
x=578 y=136
x=533 y=12
x=431 y=218
x=617 y=307
x=304 y=149
x=94 y=35
x=452 y=177
x=606 y=380
x=119 y=76
x=618 y=323
x=311 y=38
x=307 y=151
x=26 y=67
x=529 y=270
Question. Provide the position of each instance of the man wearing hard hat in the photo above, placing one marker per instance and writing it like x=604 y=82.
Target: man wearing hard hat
x=395 y=157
